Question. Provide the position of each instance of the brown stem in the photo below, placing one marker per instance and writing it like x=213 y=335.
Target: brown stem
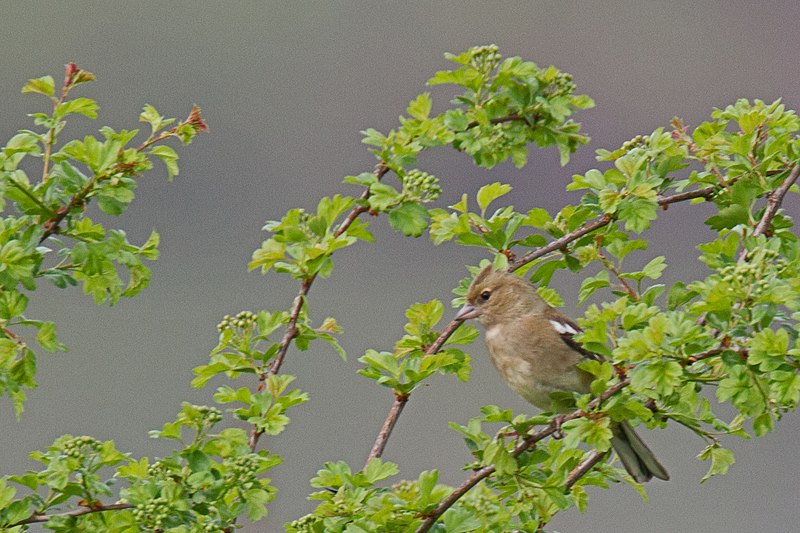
x=528 y=442
x=401 y=399
x=611 y=267
x=584 y=467
x=774 y=200
x=499 y=120
x=561 y=242
x=291 y=327
x=399 y=403
x=602 y=221
x=41 y=518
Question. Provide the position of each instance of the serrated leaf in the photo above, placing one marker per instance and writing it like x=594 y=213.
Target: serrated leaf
x=410 y=218
x=488 y=193
x=728 y=217
x=420 y=107
x=44 y=85
x=721 y=460
x=169 y=157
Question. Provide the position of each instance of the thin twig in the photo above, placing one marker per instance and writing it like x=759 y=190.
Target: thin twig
x=611 y=267
x=291 y=327
x=399 y=403
x=774 y=200
x=401 y=400
x=561 y=242
x=584 y=467
x=41 y=518
x=528 y=442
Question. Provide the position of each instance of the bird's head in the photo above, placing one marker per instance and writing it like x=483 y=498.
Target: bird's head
x=497 y=296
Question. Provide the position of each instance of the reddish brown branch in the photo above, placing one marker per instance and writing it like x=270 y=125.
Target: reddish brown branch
x=528 y=442
x=291 y=327
x=605 y=220
x=401 y=399
x=399 y=403
x=561 y=242
x=499 y=120
x=584 y=467
x=41 y=518
x=774 y=201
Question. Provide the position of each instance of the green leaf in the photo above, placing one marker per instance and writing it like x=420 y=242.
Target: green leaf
x=168 y=156
x=538 y=218
x=659 y=375
x=637 y=212
x=377 y=470
x=151 y=116
x=410 y=218
x=44 y=85
x=721 y=460
x=768 y=349
x=654 y=268
x=80 y=106
x=496 y=454
x=460 y=521
x=550 y=296
x=420 y=107
x=47 y=338
x=488 y=193
x=594 y=432
x=592 y=284
x=728 y=217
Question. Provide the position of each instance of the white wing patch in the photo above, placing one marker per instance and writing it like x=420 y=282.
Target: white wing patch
x=563 y=328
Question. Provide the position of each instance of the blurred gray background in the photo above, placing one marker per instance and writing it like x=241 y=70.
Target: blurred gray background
x=286 y=87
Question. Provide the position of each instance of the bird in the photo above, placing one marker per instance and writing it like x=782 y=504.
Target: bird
x=532 y=346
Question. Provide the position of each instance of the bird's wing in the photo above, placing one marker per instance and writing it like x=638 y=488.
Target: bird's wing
x=567 y=329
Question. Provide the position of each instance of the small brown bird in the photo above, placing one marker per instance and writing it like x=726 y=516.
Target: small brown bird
x=531 y=344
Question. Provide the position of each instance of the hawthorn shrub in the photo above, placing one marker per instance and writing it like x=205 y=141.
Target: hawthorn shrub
x=667 y=351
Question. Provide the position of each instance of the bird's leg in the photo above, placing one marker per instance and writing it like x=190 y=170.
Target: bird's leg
x=558 y=420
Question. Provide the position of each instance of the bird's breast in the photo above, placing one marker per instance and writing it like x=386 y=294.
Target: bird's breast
x=515 y=359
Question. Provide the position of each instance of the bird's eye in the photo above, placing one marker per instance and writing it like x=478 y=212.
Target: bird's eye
x=485 y=295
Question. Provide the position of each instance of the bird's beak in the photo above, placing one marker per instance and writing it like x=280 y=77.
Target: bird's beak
x=467 y=312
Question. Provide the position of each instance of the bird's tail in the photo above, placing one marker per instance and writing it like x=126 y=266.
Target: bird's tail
x=637 y=458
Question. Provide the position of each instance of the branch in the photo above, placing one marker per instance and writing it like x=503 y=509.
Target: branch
x=561 y=242
x=41 y=518
x=291 y=329
x=396 y=410
x=297 y=306
x=528 y=442
x=499 y=120
x=774 y=200
x=584 y=467
x=401 y=399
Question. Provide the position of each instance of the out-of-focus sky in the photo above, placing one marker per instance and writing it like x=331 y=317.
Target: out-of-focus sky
x=286 y=87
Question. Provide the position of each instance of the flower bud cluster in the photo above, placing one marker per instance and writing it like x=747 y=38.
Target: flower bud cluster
x=210 y=414
x=153 y=514
x=418 y=185
x=80 y=446
x=751 y=276
x=243 y=469
x=561 y=85
x=304 y=524
x=636 y=142
x=243 y=320
x=486 y=57
x=405 y=489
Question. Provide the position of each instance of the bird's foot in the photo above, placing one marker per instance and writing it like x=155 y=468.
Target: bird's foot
x=558 y=420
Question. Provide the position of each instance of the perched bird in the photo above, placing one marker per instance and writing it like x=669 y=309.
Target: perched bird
x=531 y=344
